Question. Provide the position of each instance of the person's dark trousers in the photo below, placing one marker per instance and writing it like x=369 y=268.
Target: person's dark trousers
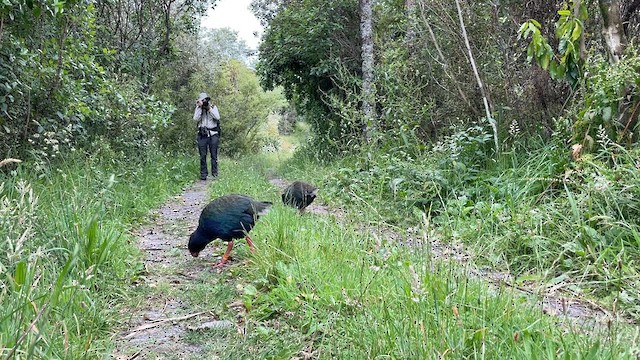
x=208 y=144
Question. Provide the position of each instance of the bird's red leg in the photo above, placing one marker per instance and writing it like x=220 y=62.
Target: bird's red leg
x=250 y=242
x=225 y=257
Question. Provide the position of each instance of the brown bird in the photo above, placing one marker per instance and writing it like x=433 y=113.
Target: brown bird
x=227 y=218
x=299 y=194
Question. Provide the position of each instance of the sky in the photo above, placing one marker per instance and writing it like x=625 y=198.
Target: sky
x=235 y=14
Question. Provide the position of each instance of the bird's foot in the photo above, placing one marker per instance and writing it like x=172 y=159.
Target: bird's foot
x=222 y=262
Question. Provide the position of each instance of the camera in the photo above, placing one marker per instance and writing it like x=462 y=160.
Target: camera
x=205 y=103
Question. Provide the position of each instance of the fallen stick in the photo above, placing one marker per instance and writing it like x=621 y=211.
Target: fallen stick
x=135 y=355
x=160 y=322
x=9 y=161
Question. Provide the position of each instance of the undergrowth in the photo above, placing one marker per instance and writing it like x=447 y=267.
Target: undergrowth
x=325 y=287
x=66 y=250
x=538 y=214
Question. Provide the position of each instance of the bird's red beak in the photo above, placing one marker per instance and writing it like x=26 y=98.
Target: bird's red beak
x=194 y=254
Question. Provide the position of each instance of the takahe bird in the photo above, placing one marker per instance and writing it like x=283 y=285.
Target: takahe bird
x=299 y=194
x=227 y=218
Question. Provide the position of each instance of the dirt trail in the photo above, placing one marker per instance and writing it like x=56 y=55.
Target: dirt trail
x=156 y=327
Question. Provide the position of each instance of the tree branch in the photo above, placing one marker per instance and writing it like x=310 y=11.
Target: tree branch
x=445 y=65
x=368 y=91
x=478 y=79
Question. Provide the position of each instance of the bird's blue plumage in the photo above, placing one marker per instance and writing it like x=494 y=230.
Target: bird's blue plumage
x=227 y=217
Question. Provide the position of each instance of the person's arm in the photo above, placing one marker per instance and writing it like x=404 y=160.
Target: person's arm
x=214 y=111
x=197 y=114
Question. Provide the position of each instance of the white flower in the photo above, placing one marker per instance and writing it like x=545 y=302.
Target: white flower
x=514 y=129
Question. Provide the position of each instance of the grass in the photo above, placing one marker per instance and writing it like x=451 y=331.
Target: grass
x=537 y=215
x=318 y=286
x=67 y=251
x=324 y=287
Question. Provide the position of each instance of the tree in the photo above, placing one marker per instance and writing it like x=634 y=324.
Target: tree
x=266 y=10
x=368 y=87
x=485 y=97
x=410 y=36
x=304 y=49
x=244 y=108
x=612 y=30
x=142 y=34
x=218 y=46
x=610 y=103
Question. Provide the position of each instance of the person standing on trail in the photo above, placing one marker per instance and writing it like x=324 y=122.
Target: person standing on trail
x=208 y=119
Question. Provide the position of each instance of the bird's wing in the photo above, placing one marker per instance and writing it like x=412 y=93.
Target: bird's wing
x=258 y=208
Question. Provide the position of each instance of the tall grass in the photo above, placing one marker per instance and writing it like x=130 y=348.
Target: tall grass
x=321 y=286
x=67 y=251
x=576 y=228
x=539 y=215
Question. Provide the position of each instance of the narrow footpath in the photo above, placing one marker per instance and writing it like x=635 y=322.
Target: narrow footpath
x=159 y=327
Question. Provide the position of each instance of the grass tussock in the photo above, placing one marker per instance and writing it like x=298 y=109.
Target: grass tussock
x=540 y=215
x=67 y=252
x=325 y=287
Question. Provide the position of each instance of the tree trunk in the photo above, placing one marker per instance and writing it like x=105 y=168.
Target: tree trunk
x=445 y=64
x=485 y=98
x=167 y=28
x=616 y=41
x=1 y=27
x=368 y=90
x=410 y=35
x=576 y=14
x=612 y=30
x=626 y=16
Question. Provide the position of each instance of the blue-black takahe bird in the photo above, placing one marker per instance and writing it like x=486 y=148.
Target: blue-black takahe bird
x=227 y=218
x=299 y=194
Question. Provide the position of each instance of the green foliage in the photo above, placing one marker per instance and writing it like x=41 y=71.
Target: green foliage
x=42 y=66
x=144 y=37
x=534 y=214
x=58 y=98
x=407 y=103
x=608 y=106
x=219 y=46
x=606 y=101
x=395 y=184
x=303 y=50
x=572 y=228
x=244 y=108
x=66 y=251
x=569 y=33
